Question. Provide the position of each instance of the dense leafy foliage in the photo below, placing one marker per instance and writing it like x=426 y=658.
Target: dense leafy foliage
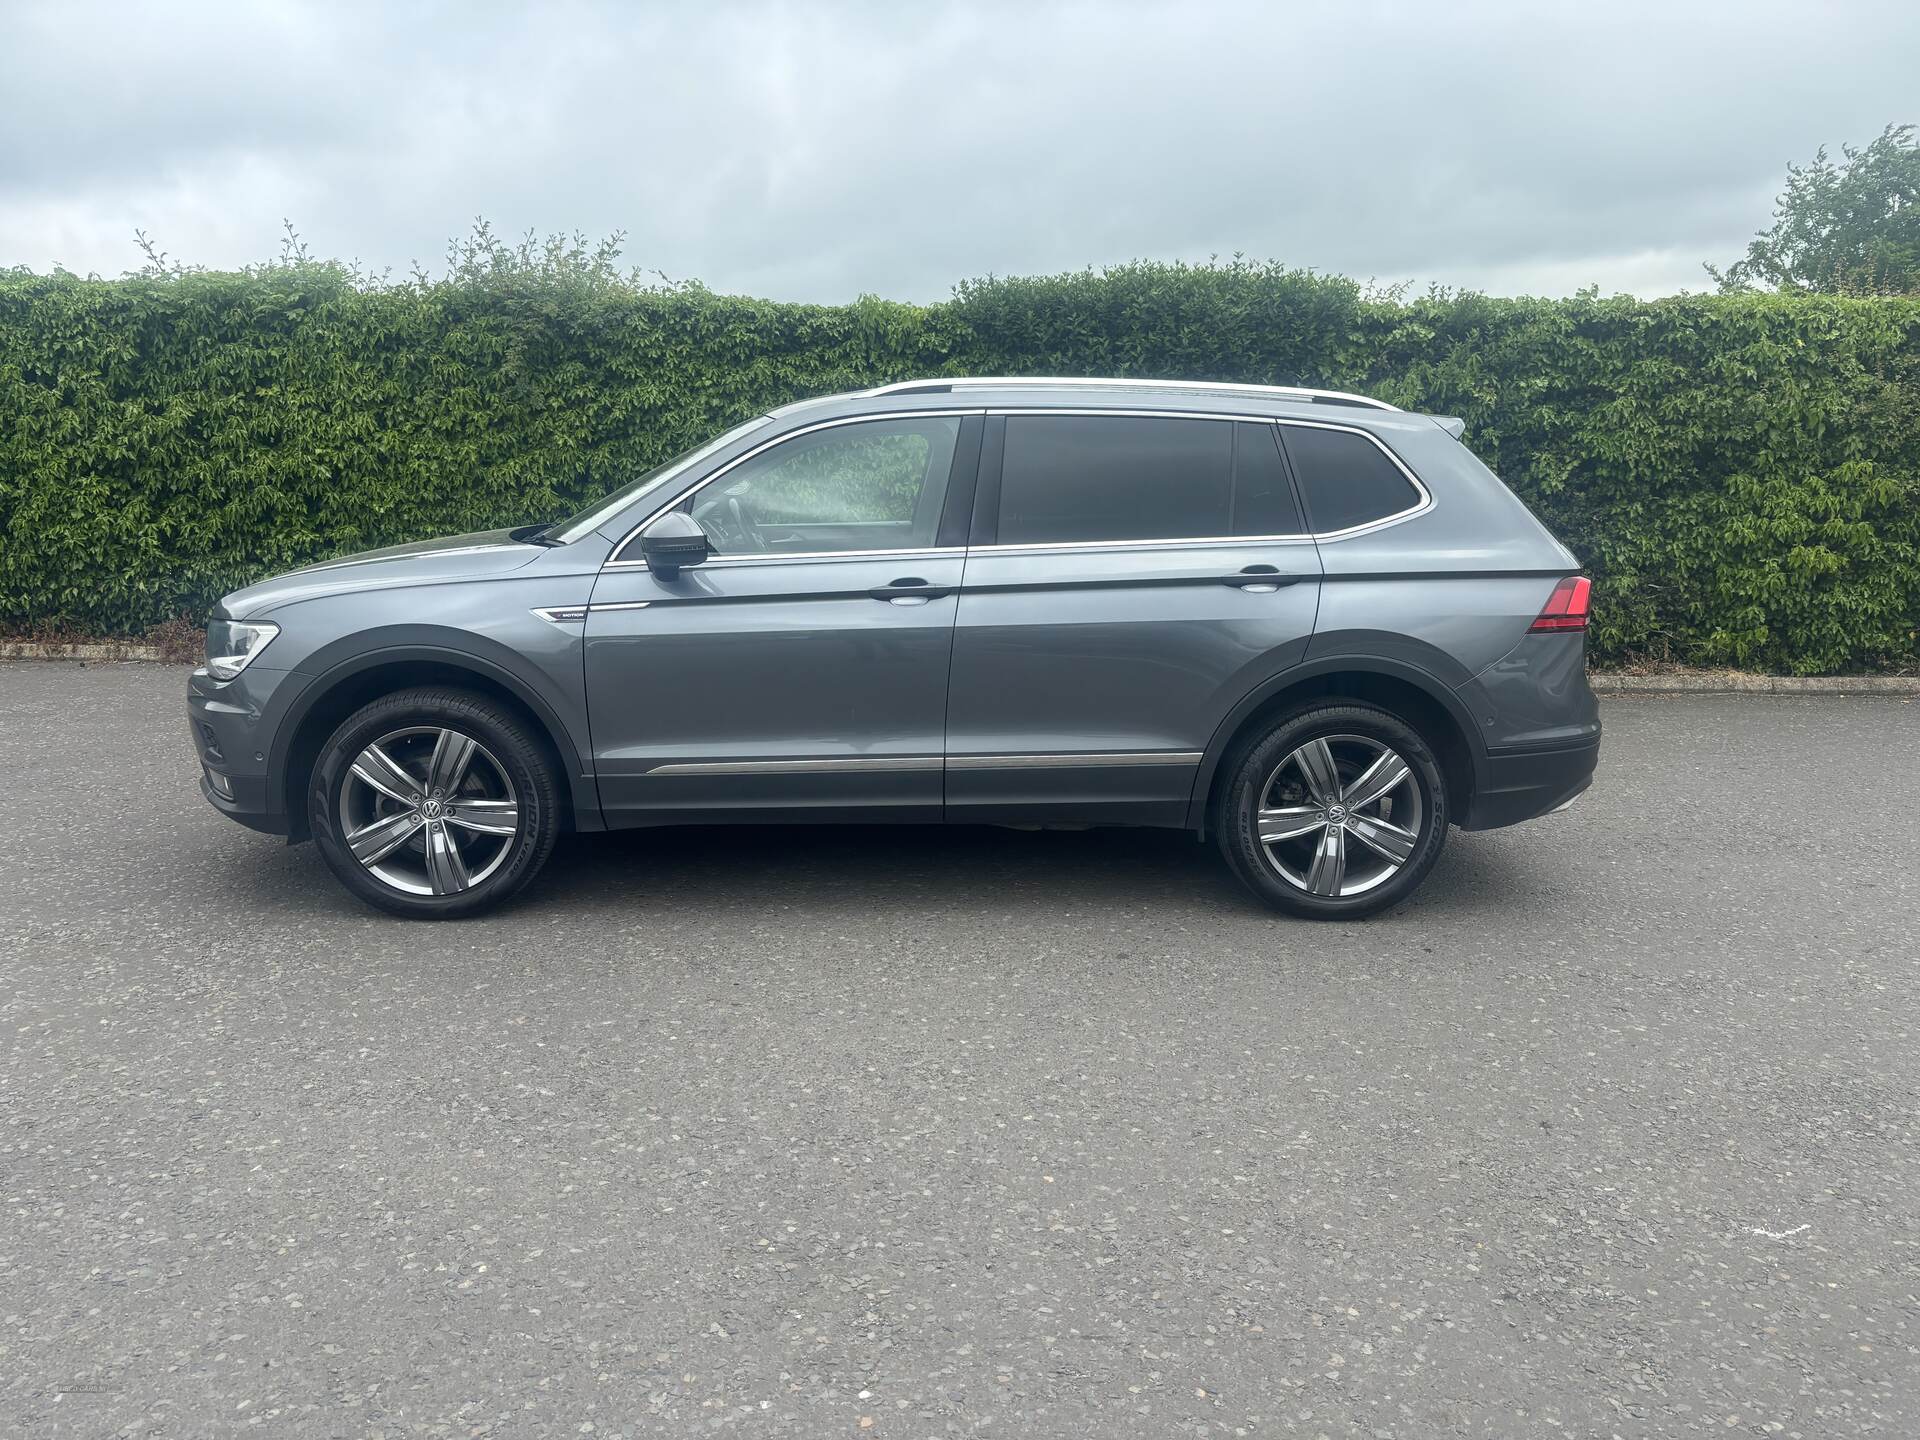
x=1741 y=472
x=1846 y=228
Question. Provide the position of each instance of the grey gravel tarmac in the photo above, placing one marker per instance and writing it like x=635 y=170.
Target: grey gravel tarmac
x=1610 y=1131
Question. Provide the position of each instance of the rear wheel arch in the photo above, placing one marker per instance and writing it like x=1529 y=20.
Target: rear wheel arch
x=355 y=683
x=1419 y=698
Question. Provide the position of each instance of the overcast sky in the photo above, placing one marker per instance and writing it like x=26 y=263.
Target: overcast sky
x=817 y=151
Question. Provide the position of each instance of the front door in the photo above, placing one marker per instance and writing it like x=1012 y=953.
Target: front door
x=801 y=673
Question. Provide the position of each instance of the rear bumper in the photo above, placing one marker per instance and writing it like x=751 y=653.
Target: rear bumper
x=1523 y=784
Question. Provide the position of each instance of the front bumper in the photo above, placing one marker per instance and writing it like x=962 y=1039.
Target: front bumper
x=234 y=724
x=1524 y=784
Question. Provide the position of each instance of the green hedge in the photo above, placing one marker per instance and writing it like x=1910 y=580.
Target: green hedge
x=1741 y=473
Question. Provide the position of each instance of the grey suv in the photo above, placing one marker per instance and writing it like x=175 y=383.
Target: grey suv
x=1306 y=623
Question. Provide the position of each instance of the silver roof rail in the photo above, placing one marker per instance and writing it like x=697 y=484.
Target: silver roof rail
x=1228 y=387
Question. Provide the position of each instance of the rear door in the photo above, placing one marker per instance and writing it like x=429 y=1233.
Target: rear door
x=1130 y=576
x=801 y=673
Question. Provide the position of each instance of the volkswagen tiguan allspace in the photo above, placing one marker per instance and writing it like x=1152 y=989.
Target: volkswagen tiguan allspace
x=1307 y=624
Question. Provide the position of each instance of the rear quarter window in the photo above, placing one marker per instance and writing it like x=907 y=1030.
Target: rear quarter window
x=1345 y=479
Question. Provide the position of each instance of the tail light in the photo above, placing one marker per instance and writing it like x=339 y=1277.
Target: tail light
x=1566 y=608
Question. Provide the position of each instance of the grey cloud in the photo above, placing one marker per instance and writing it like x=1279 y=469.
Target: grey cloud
x=815 y=152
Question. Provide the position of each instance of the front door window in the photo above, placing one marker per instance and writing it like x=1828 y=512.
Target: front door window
x=875 y=485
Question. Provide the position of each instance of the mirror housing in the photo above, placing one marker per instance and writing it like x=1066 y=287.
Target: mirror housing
x=672 y=543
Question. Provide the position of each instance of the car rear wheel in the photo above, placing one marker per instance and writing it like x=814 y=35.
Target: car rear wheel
x=433 y=803
x=1339 y=811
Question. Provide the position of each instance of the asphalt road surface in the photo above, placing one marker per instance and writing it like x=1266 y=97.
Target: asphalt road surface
x=1610 y=1131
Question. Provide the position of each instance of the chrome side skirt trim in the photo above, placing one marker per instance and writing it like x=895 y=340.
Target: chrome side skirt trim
x=1077 y=759
x=841 y=764
x=798 y=767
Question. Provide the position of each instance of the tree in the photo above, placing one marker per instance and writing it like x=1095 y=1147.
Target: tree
x=1851 y=228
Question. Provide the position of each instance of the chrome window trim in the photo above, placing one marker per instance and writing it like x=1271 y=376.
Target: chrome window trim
x=1200 y=542
x=1421 y=507
x=1322 y=537
x=930 y=552
x=803 y=556
x=614 y=560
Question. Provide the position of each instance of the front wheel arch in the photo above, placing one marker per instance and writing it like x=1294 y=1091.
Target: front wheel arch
x=356 y=683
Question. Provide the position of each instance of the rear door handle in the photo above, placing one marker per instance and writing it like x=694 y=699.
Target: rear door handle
x=1262 y=579
x=911 y=590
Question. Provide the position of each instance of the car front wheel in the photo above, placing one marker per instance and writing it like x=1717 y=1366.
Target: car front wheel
x=1339 y=811
x=433 y=803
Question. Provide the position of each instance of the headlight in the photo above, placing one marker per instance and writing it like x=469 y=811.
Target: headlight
x=231 y=646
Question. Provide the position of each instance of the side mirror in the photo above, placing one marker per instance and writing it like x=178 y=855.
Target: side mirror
x=672 y=543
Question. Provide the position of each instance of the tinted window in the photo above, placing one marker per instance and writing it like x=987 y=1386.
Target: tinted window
x=873 y=486
x=1263 y=502
x=1347 y=480
x=1073 y=477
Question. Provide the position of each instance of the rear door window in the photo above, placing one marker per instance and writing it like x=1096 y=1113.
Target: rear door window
x=1067 y=478
x=1345 y=478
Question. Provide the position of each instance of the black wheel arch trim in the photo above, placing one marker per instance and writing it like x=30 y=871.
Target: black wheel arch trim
x=1295 y=675
x=333 y=664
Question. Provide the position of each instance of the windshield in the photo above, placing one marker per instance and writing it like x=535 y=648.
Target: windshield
x=594 y=516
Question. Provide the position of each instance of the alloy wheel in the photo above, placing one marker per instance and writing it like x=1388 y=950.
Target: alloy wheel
x=1340 y=816
x=428 y=811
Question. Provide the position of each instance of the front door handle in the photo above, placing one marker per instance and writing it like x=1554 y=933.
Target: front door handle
x=1262 y=579
x=911 y=590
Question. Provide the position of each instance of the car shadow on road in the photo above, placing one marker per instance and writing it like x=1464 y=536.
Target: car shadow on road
x=852 y=872
x=930 y=869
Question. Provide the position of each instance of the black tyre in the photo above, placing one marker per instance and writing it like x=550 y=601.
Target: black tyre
x=434 y=803
x=1339 y=811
